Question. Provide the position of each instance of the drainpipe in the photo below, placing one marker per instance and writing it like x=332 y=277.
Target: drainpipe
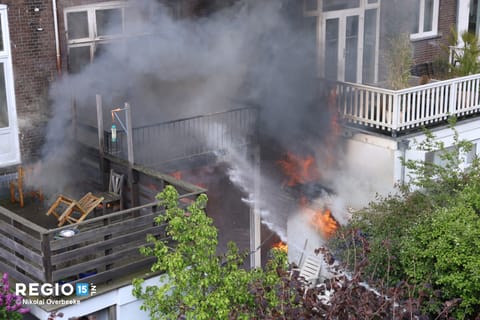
x=57 y=42
x=403 y=146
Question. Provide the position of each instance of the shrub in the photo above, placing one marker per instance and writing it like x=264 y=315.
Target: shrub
x=445 y=250
x=10 y=304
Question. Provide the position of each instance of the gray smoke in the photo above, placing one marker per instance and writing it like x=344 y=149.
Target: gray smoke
x=261 y=52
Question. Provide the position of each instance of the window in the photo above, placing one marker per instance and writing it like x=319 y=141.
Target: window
x=472 y=155
x=311 y=5
x=9 y=144
x=332 y=5
x=4 y=122
x=91 y=29
x=425 y=19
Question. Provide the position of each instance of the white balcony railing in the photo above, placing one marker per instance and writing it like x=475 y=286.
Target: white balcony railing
x=401 y=110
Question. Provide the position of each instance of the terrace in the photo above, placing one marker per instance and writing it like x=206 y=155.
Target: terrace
x=397 y=112
x=105 y=247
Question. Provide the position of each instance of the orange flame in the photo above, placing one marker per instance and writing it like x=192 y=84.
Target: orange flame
x=323 y=221
x=177 y=175
x=280 y=246
x=298 y=170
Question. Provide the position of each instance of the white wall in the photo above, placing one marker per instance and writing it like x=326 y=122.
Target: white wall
x=367 y=167
x=127 y=306
x=372 y=162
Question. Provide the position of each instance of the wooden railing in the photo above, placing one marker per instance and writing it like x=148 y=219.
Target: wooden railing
x=401 y=110
x=104 y=249
x=22 y=248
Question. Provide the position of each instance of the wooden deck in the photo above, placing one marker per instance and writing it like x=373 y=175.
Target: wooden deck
x=104 y=248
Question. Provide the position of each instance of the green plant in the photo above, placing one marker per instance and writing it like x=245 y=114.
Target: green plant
x=399 y=61
x=10 y=304
x=467 y=57
x=445 y=250
x=427 y=232
x=198 y=283
x=456 y=60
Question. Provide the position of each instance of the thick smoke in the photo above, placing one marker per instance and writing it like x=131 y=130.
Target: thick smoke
x=260 y=52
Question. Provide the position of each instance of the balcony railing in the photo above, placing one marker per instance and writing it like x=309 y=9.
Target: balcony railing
x=397 y=111
x=103 y=249
x=182 y=138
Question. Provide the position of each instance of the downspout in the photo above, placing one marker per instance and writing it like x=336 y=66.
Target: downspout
x=57 y=42
x=403 y=146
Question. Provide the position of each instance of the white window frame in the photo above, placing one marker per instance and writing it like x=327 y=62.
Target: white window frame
x=421 y=34
x=9 y=140
x=360 y=11
x=93 y=39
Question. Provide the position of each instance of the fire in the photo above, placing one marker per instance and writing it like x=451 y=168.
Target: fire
x=299 y=170
x=280 y=246
x=323 y=221
x=177 y=175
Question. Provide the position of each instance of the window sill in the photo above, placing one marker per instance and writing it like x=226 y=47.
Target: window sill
x=425 y=37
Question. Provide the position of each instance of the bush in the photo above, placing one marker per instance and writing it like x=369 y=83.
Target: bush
x=428 y=233
x=445 y=250
x=10 y=304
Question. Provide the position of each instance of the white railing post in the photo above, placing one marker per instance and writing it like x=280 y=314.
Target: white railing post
x=453 y=98
x=396 y=112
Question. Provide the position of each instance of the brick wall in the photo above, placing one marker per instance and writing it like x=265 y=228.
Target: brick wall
x=34 y=68
x=396 y=17
x=430 y=49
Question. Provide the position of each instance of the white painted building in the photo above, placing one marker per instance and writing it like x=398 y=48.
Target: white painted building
x=116 y=302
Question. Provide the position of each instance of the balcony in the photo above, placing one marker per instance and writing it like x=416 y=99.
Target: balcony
x=401 y=111
x=103 y=250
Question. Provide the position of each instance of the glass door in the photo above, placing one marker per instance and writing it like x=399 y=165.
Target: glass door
x=342 y=52
x=474 y=17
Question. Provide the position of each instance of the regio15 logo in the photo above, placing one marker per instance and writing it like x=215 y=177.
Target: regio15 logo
x=81 y=289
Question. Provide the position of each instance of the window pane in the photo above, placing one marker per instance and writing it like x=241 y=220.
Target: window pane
x=330 y=5
x=416 y=17
x=311 y=5
x=109 y=22
x=331 y=48
x=472 y=154
x=78 y=58
x=1 y=35
x=472 y=19
x=77 y=25
x=3 y=99
x=369 y=44
x=351 y=49
x=427 y=22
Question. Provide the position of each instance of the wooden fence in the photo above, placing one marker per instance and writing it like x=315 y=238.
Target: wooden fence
x=104 y=248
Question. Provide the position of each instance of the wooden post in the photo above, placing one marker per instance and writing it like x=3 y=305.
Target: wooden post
x=47 y=257
x=131 y=160
x=101 y=139
x=255 y=230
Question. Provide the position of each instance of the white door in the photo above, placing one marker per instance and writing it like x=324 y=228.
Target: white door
x=350 y=40
x=9 y=144
x=342 y=52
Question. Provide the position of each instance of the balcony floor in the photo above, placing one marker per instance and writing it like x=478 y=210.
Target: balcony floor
x=34 y=210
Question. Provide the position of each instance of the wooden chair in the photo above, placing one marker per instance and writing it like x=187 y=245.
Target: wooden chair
x=83 y=206
x=113 y=196
x=17 y=187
